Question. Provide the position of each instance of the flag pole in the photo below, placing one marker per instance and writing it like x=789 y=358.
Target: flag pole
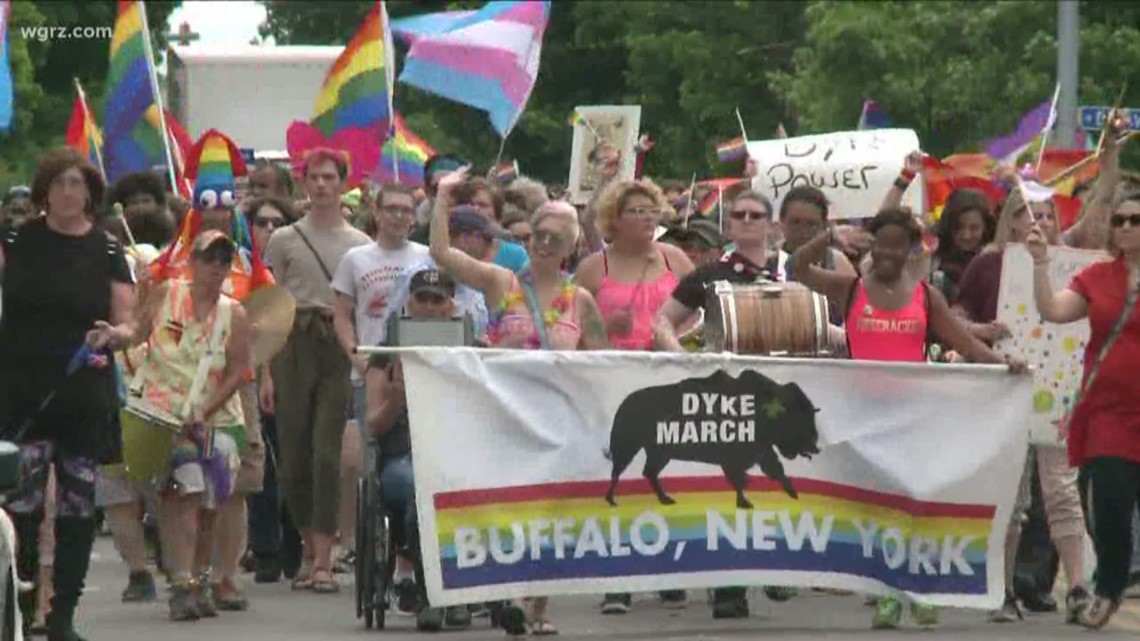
x=740 y=121
x=1052 y=123
x=90 y=119
x=157 y=96
x=1116 y=105
x=689 y=207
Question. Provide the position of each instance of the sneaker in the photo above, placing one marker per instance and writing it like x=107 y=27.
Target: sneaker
x=729 y=607
x=779 y=593
x=266 y=570
x=1008 y=612
x=140 y=588
x=673 y=598
x=183 y=605
x=429 y=619
x=924 y=615
x=616 y=604
x=1039 y=602
x=204 y=597
x=888 y=613
x=407 y=597
x=1099 y=613
x=1075 y=602
x=1133 y=589
x=457 y=616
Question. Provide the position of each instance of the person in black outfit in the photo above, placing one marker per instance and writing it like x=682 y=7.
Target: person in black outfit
x=66 y=284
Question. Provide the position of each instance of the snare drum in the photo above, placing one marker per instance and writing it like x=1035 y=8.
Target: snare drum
x=148 y=441
x=773 y=319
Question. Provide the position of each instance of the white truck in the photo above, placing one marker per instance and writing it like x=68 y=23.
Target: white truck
x=249 y=92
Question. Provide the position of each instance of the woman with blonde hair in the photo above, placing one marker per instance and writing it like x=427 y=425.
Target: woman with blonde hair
x=539 y=308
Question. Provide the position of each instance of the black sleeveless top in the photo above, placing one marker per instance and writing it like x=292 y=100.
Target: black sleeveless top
x=54 y=289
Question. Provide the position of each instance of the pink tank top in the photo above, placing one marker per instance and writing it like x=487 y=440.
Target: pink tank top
x=640 y=299
x=513 y=325
x=887 y=335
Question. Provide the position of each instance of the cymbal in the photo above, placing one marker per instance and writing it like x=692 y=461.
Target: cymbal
x=271 y=311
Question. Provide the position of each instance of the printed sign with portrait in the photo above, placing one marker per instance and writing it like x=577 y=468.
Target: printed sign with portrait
x=605 y=141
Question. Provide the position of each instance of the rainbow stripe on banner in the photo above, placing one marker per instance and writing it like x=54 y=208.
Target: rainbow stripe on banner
x=507 y=535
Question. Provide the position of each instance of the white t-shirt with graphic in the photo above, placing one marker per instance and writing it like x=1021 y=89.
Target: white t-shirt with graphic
x=368 y=275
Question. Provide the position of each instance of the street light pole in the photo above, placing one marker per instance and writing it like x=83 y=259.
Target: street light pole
x=1068 y=58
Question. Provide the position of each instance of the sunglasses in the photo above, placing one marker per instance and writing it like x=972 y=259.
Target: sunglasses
x=743 y=214
x=1118 y=220
x=544 y=237
x=430 y=298
x=271 y=221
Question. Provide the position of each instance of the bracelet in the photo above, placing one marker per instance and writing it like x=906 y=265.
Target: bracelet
x=907 y=174
x=901 y=184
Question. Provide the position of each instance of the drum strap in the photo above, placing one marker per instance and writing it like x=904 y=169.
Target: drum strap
x=203 y=371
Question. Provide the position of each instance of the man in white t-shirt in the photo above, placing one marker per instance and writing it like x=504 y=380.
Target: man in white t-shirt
x=367 y=277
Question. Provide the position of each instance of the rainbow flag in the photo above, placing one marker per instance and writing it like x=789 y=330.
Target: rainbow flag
x=735 y=149
x=576 y=119
x=403 y=156
x=506 y=172
x=82 y=132
x=132 y=130
x=357 y=92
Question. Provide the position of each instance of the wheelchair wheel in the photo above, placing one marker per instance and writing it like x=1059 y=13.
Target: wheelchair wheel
x=365 y=587
x=381 y=565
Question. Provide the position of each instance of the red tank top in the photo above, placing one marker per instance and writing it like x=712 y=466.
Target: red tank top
x=899 y=335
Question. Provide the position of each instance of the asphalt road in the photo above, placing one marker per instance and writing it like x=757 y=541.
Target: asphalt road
x=276 y=614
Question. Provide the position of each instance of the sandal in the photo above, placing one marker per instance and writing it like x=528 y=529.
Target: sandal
x=327 y=584
x=229 y=598
x=539 y=625
x=304 y=578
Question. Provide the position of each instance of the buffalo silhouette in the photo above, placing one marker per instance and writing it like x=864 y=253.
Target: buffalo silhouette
x=735 y=423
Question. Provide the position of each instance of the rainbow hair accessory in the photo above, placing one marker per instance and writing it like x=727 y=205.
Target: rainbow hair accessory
x=214 y=165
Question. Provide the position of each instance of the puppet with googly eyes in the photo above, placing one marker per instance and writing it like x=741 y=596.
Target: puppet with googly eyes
x=214 y=164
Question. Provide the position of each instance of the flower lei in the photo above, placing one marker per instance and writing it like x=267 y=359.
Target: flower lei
x=516 y=299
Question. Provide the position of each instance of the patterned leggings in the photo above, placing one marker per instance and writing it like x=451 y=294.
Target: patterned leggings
x=74 y=482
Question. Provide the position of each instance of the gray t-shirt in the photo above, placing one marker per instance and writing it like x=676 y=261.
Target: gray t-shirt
x=298 y=270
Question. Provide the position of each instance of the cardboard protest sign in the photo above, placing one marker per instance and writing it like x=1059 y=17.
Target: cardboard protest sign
x=855 y=169
x=607 y=130
x=1055 y=351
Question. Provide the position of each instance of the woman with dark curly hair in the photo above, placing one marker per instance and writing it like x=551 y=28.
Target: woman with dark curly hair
x=65 y=283
x=966 y=226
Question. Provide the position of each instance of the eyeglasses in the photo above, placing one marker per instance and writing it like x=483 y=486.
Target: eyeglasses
x=270 y=221
x=544 y=237
x=1118 y=220
x=744 y=214
x=522 y=238
x=643 y=212
x=396 y=210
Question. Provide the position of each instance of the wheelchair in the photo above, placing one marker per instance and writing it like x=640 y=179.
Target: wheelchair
x=375 y=544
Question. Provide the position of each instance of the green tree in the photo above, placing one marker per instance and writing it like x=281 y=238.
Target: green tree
x=43 y=73
x=958 y=74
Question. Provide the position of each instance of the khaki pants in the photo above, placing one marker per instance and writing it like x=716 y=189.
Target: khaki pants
x=1059 y=493
x=312 y=392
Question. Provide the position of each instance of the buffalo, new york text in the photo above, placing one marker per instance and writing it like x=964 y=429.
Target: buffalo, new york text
x=753 y=531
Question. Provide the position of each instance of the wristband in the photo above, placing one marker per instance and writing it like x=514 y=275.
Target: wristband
x=901 y=184
x=907 y=174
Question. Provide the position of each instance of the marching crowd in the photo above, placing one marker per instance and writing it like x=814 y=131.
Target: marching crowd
x=136 y=307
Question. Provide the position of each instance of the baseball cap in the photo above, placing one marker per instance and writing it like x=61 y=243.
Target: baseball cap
x=700 y=231
x=466 y=218
x=432 y=280
x=210 y=239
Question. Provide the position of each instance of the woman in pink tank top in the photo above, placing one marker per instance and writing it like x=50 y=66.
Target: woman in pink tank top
x=889 y=314
x=540 y=308
x=633 y=277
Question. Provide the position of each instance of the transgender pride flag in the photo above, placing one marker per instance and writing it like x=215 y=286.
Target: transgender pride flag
x=487 y=59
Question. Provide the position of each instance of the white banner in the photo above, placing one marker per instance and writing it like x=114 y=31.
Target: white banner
x=854 y=169
x=519 y=455
x=1056 y=352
